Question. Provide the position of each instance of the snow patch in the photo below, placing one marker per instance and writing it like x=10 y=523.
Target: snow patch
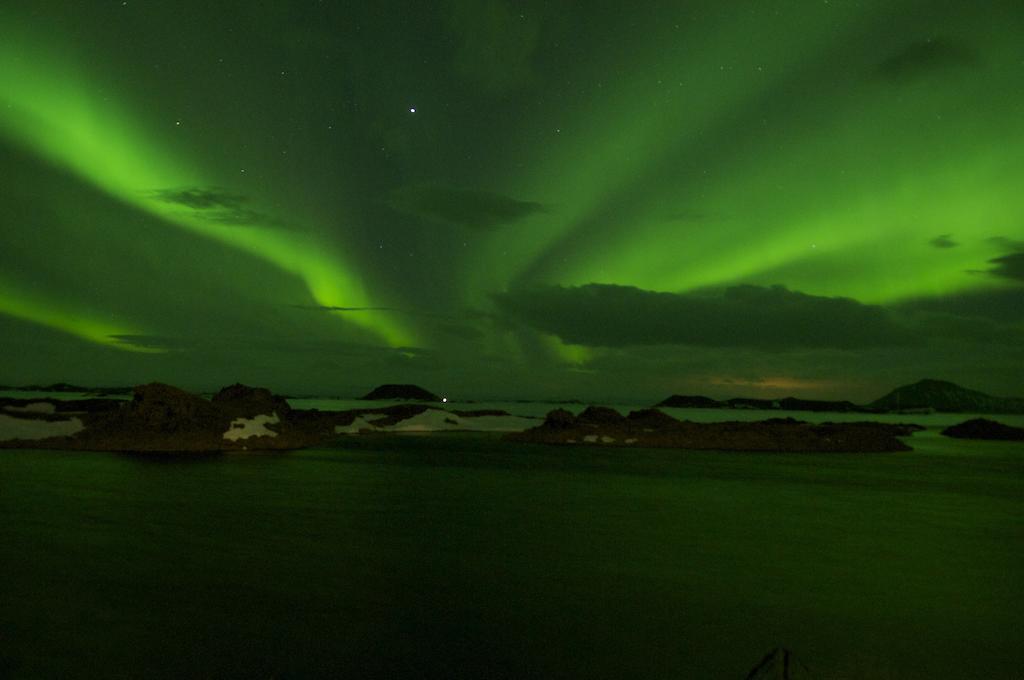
x=34 y=407
x=436 y=420
x=243 y=428
x=359 y=423
x=12 y=427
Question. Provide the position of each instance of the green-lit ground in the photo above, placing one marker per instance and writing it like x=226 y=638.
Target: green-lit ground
x=461 y=556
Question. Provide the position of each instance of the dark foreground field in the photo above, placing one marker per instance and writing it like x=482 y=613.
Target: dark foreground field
x=464 y=556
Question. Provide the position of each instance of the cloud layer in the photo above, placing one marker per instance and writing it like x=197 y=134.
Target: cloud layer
x=741 y=316
x=461 y=207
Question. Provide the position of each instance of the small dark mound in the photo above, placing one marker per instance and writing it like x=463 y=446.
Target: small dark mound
x=794 y=404
x=599 y=415
x=243 y=401
x=983 y=428
x=684 y=401
x=411 y=392
x=651 y=418
x=559 y=419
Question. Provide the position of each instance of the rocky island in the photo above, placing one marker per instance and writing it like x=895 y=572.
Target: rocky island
x=983 y=428
x=160 y=417
x=164 y=418
x=652 y=428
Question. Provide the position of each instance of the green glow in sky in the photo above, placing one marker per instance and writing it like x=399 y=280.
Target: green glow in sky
x=423 y=192
x=51 y=107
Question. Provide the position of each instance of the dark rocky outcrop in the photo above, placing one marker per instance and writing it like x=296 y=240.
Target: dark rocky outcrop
x=559 y=418
x=982 y=428
x=685 y=401
x=410 y=392
x=599 y=415
x=164 y=418
x=160 y=417
x=244 y=401
x=650 y=418
x=945 y=397
x=163 y=408
x=652 y=428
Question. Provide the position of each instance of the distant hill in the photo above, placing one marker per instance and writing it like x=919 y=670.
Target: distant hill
x=946 y=397
x=795 y=404
x=413 y=392
x=686 y=401
x=787 y=404
x=65 y=387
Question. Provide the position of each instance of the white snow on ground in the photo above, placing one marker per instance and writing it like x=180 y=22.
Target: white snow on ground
x=434 y=420
x=12 y=427
x=358 y=424
x=243 y=428
x=34 y=407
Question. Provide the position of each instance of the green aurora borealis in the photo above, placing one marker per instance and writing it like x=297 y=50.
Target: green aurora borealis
x=498 y=198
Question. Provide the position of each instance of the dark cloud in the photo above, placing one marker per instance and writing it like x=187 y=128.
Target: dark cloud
x=1005 y=305
x=201 y=199
x=926 y=57
x=741 y=316
x=1008 y=266
x=943 y=241
x=967 y=328
x=214 y=204
x=462 y=207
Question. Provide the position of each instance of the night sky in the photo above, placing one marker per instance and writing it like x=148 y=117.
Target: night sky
x=514 y=199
